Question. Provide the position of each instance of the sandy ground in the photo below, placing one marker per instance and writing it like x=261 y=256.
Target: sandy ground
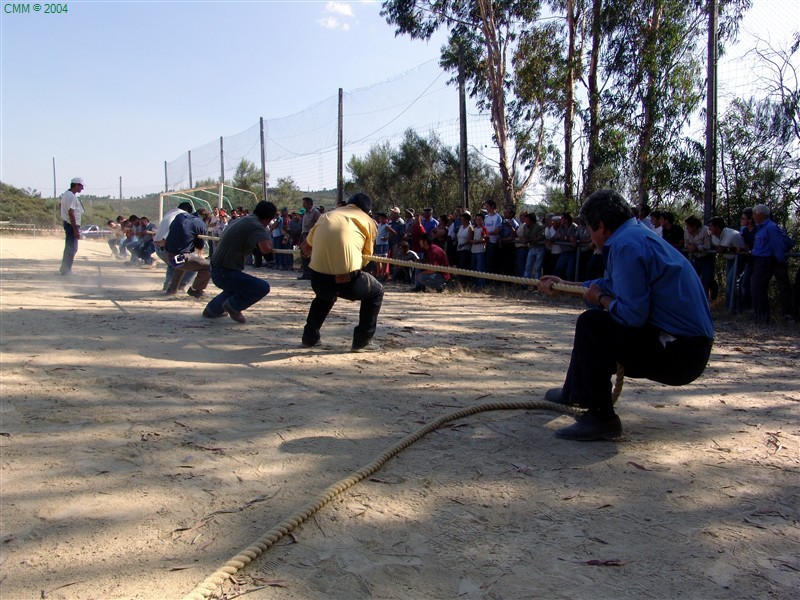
x=143 y=446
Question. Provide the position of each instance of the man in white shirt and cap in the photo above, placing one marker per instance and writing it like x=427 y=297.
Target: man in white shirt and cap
x=71 y=213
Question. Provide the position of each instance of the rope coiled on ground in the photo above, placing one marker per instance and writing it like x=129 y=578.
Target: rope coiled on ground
x=212 y=583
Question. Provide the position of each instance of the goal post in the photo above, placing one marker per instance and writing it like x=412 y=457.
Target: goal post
x=220 y=195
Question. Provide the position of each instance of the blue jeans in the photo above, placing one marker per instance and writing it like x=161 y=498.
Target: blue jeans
x=431 y=280
x=533 y=265
x=281 y=260
x=239 y=289
x=70 y=249
x=145 y=251
x=733 y=268
x=565 y=266
x=478 y=263
x=133 y=247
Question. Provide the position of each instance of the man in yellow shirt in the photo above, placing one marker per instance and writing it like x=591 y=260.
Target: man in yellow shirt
x=337 y=245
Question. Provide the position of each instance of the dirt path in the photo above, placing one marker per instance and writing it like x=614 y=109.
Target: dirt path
x=143 y=446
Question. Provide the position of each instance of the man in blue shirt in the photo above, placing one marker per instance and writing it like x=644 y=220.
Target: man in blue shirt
x=769 y=258
x=654 y=319
x=182 y=243
x=429 y=222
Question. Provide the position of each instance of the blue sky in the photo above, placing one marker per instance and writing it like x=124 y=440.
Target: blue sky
x=114 y=89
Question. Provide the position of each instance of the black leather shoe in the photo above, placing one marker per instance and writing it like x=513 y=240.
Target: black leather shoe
x=310 y=344
x=588 y=428
x=554 y=395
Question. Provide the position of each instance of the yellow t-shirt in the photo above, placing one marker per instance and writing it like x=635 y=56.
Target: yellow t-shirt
x=340 y=239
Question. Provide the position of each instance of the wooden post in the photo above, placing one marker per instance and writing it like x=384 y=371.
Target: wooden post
x=55 y=196
x=221 y=164
x=462 y=126
x=340 y=154
x=263 y=160
x=709 y=195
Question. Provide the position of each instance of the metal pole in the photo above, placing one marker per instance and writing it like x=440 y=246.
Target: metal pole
x=711 y=115
x=191 y=185
x=263 y=160
x=166 y=178
x=120 y=190
x=55 y=195
x=340 y=154
x=221 y=166
x=462 y=125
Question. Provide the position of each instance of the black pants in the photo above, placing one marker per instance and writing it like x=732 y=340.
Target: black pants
x=70 y=249
x=364 y=288
x=601 y=343
x=764 y=267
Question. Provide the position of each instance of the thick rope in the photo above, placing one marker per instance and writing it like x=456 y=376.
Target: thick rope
x=212 y=583
x=567 y=288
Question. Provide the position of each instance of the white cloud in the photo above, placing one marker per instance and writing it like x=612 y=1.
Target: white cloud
x=329 y=22
x=337 y=15
x=339 y=8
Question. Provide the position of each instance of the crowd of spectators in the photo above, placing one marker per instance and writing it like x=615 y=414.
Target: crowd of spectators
x=524 y=245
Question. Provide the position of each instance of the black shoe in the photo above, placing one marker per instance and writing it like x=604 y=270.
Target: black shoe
x=311 y=344
x=554 y=395
x=417 y=288
x=589 y=428
x=370 y=346
x=236 y=315
x=210 y=315
x=195 y=293
x=304 y=277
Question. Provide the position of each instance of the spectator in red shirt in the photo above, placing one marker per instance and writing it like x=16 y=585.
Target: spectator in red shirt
x=436 y=257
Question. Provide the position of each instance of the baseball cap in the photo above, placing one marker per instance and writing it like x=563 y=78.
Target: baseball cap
x=77 y=180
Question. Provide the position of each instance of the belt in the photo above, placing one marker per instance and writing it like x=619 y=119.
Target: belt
x=347 y=277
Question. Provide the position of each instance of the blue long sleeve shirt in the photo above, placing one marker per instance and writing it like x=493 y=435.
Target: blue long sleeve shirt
x=653 y=284
x=769 y=241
